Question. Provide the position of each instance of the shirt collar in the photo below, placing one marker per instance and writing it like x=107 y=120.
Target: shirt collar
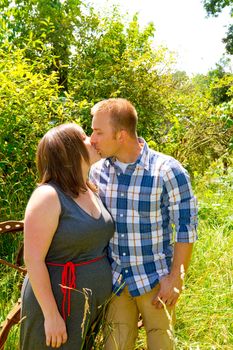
x=143 y=158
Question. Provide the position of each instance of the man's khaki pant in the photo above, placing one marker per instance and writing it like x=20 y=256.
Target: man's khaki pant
x=122 y=317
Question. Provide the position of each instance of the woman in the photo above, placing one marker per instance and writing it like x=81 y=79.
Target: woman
x=67 y=229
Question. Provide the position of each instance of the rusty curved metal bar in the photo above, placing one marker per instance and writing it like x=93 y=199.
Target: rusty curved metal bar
x=13 y=317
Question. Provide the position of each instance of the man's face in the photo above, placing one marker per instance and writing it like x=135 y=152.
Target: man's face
x=103 y=137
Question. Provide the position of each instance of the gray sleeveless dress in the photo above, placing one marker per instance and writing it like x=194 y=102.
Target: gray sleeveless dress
x=78 y=239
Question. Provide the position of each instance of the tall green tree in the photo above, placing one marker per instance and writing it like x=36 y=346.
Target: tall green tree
x=101 y=56
x=213 y=8
x=30 y=104
x=220 y=82
x=45 y=22
x=120 y=60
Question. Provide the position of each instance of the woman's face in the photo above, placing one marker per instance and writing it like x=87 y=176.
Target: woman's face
x=93 y=154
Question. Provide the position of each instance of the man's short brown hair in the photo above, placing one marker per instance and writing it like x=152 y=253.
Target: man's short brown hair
x=122 y=112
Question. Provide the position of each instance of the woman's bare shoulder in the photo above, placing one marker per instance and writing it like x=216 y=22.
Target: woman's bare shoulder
x=44 y=196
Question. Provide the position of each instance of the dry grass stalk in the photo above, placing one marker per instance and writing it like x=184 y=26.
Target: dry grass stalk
x=86 y=310
x=170 y=331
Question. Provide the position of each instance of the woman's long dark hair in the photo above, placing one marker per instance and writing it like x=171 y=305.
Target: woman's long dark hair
x=59 y=156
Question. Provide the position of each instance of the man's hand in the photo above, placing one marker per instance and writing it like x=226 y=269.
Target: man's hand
x=170 y=289
x=171 y=285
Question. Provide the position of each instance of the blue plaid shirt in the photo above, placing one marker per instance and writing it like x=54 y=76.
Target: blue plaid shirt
x=153 y=205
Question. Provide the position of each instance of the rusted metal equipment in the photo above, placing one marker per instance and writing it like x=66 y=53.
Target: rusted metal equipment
x=13 y=316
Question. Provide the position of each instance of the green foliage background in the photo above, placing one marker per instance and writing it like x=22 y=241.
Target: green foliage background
x=58 y=58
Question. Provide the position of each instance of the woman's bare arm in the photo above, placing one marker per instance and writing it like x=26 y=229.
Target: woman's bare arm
x=41 y=220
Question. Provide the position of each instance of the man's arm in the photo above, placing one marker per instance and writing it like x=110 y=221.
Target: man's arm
x=182 y=207
x=171 y=285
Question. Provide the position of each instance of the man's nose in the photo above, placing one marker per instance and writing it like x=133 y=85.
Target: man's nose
x=92 y=139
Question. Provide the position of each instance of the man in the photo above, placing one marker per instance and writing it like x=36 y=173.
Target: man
x=151 y=201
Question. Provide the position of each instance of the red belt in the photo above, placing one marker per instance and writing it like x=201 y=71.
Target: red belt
x=68 y=279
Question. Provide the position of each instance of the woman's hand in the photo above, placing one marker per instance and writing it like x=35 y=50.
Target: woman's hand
x=55 y=331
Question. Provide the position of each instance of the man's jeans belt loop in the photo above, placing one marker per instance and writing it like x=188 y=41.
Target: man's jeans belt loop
x=68 y=280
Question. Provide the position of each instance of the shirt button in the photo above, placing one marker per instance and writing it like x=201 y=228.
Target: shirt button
x=124 y=254
x=121 y=215
x=118 y=174
x=122 y=194
x=126 y=271
x=122 y=235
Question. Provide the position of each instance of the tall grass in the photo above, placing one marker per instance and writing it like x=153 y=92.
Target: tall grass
x=10 y=282
x=205 y=311
x=205 y=308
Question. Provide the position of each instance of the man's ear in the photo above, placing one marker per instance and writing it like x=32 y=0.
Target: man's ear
x=122 y=136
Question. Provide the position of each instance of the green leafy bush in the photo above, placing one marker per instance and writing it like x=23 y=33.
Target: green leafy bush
x=30 y=104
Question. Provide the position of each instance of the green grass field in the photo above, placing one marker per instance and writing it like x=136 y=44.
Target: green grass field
x=205 y=309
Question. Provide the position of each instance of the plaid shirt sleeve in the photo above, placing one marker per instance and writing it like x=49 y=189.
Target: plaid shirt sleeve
x=180 y=201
